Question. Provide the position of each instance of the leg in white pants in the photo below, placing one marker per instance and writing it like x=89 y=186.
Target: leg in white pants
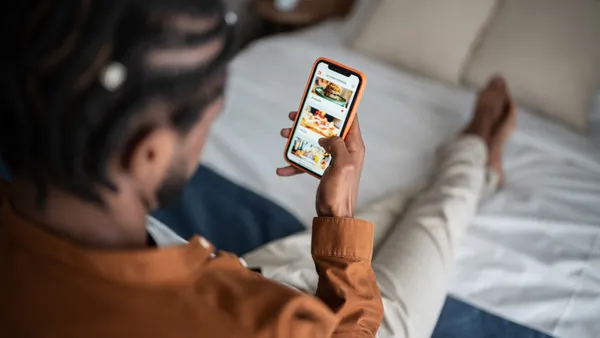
x=417 y=243
x=415 y=259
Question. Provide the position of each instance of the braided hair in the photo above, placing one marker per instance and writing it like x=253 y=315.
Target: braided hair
x=60 y=124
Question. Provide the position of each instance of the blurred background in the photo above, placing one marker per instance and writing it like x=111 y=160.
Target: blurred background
x=530 y=264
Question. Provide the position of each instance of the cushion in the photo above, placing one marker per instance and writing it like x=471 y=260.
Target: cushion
x=549 y=51
x=431 y=37
x=357 y=18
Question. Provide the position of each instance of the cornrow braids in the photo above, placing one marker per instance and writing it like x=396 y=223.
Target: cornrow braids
x=60 y=124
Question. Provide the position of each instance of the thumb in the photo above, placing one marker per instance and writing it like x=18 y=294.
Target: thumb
x=336 y=147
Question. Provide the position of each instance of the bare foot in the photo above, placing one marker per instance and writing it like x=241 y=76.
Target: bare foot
x=494 y=120
x=488 y=110
x=503 y=128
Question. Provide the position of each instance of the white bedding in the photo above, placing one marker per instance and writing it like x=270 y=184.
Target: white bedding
x=533 y=253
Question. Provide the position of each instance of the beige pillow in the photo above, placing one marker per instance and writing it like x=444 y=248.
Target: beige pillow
x=549 y=51
x=430 y=37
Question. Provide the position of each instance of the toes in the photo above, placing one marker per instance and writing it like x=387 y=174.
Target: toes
x=493 y=99
x=497 y=82
x=495 y=86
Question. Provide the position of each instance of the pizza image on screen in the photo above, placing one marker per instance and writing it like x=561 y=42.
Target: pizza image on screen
x=320 y=122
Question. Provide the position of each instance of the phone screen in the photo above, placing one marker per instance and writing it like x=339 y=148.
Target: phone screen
x=324 y=113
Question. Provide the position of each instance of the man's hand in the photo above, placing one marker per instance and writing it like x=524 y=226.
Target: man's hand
x=338 y=190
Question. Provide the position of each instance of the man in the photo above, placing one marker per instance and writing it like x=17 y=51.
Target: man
x=110 y=103
x=107 y=106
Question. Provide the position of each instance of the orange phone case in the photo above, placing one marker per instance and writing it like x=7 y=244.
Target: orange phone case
x=351 y=113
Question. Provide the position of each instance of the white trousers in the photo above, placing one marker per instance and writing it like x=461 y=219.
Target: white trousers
x=416 y=238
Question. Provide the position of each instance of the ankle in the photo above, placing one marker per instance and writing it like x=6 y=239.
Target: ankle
x=483 y=133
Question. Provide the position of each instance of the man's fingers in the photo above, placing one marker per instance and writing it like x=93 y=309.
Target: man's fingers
x=288 y=171
x=354 y=140
x=285 y=132
x=292 y=115
x=336 y=147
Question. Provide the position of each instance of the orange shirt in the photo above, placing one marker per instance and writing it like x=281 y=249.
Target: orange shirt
x=50 y=287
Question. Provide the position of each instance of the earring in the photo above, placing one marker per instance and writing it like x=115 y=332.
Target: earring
x=231 y=18
x=113 y=76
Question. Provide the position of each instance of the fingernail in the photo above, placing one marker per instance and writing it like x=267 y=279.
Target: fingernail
x=322 y=142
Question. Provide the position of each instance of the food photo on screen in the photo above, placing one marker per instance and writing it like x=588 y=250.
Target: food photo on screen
x=320 y=122
x=332 y=92
x=311 y=153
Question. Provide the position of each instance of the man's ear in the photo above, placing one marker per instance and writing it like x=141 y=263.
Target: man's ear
x=150 y=157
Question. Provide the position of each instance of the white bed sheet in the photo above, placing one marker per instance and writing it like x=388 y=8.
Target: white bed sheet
x=532 y=254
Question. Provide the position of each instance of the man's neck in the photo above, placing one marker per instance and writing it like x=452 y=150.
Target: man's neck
x=120 y=224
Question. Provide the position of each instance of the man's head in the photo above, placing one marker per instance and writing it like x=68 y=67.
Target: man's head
x=103 y=96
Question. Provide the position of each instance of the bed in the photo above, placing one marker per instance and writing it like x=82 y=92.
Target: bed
x=532 y=255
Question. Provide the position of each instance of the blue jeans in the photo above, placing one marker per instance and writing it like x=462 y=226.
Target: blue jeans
x=233 y=218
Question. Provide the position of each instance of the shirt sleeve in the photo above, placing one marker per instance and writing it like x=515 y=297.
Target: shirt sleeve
x=342 y=249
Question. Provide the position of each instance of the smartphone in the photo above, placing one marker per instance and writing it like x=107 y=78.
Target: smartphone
x=327 y=109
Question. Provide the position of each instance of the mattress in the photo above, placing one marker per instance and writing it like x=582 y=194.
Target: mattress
x=532 y=254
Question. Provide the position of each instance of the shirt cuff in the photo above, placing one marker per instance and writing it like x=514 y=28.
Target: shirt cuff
x=342 y=237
